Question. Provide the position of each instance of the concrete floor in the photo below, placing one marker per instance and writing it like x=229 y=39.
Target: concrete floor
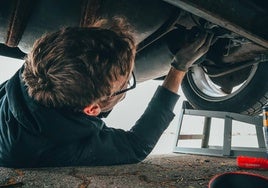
x=175 y=170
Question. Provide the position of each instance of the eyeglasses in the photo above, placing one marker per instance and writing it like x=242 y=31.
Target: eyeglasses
x=130 y=85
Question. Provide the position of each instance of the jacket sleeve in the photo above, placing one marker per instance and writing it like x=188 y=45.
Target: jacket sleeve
x=111 y=146
x=2 y=89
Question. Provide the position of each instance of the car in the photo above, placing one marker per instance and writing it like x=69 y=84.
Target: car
x=231 y=77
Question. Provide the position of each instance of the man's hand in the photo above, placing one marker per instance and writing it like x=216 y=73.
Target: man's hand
x=187 y=55
x=184 y=59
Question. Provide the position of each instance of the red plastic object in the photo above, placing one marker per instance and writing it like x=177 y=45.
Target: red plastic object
x=252 y=162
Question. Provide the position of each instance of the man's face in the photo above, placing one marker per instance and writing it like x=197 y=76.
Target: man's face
x=121 y=83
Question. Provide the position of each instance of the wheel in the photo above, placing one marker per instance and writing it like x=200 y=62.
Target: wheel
x=246 y=96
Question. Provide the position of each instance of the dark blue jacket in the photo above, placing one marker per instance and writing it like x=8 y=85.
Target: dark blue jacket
x=32 y=135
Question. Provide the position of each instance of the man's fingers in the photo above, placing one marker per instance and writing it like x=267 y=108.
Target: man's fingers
x=209 y=39
x=207 y=43
x=200 y=41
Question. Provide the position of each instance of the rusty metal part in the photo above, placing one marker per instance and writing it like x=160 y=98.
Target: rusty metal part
x=237 y=66
x=244 y=53
x=20 y=14
x=238 y=16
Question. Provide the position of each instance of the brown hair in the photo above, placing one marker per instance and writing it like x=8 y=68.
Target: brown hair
x=75 y=66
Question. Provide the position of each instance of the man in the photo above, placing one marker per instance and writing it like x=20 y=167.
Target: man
x=51 y=108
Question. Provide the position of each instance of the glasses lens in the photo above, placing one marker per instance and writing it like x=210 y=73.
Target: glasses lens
x=130 y=82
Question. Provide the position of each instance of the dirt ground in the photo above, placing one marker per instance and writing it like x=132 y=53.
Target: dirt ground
x=175 y=170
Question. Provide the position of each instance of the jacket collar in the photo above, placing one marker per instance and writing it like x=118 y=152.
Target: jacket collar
x=56 y=124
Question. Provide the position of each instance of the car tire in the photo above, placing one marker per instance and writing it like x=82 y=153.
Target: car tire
x=248 y=99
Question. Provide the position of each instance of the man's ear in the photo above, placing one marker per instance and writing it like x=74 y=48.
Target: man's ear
x=92 y=109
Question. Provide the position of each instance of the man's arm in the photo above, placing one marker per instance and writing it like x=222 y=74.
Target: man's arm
x=111 y=146
x=184 y=59
x=173 y=80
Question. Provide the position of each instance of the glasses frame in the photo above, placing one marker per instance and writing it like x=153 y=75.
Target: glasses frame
x=127 y=89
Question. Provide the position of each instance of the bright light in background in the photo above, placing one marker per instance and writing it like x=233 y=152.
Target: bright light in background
x=128 y=111
x=8 y=66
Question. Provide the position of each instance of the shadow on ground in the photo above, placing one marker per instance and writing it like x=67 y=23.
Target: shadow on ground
x=187 y=171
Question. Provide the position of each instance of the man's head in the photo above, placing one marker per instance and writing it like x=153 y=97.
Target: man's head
x=79 y=67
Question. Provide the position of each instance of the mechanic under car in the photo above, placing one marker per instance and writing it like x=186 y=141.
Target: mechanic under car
x=51 y=109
